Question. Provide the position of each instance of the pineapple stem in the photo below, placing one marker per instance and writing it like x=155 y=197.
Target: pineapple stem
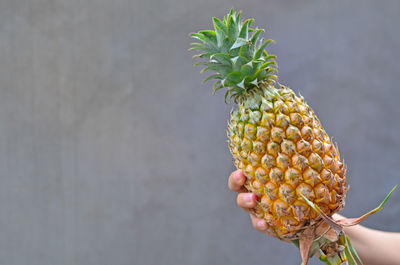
x=340 y=252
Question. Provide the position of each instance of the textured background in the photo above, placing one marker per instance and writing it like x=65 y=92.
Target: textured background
x=112 y=152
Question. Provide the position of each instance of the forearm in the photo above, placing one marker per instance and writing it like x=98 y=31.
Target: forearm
x=375 y=247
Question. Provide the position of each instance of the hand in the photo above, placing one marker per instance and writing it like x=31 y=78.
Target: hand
x=370 y=244
x=246 y=200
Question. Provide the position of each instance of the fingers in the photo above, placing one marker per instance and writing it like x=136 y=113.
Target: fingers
x=259 y=224
x=247 y=200
x=236 y=181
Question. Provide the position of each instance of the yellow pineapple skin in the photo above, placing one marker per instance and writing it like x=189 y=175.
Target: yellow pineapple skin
x=279 y=143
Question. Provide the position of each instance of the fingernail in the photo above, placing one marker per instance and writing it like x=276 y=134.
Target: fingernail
x=248 y=197
x=237 y=176
x=261 y=224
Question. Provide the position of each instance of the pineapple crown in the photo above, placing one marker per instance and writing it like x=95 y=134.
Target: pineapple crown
x=239 y=60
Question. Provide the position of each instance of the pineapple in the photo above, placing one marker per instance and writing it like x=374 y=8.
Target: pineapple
x=274 y=136
x=277 y=140
x=280 y=145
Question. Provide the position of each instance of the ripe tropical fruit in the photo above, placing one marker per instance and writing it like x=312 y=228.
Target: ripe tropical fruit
x=277 y=140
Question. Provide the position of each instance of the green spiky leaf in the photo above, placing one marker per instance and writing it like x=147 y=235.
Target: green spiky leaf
x=221 y=25
x=353 y=252
x=261 y=48
x=239 y=43
x=244 y=31
x=354 y=221
x=236 y=54
x=255 y=35
x=215 y=76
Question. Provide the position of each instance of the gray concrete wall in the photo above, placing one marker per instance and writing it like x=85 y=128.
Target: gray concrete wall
x=112 y=152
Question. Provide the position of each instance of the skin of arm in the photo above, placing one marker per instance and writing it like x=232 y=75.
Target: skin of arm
x=373 y=246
